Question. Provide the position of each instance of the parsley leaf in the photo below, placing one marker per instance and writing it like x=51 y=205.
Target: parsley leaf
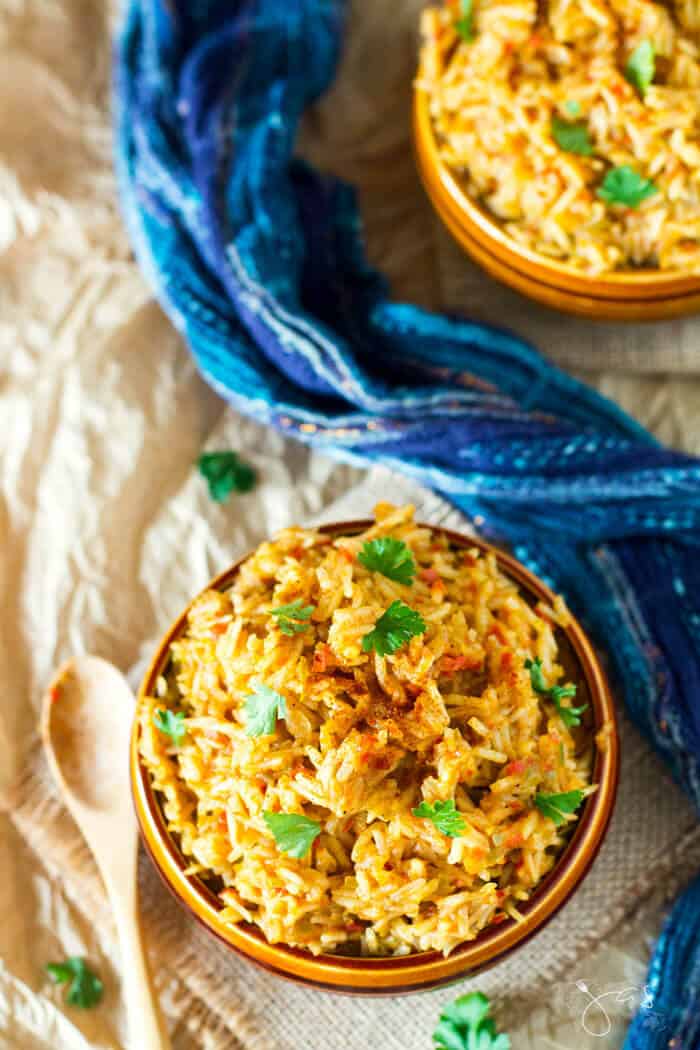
x=641 y=67
x=84 y=987
x=466 y=1025
x=171 y=724
x=391 y=557
x=557 y=807
x=262 y=709
x=573 y=107
x=465 y=23
x=291 y=618
x=293 y=833
x=225 y=473
x=444 y=816
x=570 y=716
x=625 y=186
x=393 y=629
x=573 y=138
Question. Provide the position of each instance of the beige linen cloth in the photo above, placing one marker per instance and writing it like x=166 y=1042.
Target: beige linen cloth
x=106 y=532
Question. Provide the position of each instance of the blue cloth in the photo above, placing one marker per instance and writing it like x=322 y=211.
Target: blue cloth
x=259 y=262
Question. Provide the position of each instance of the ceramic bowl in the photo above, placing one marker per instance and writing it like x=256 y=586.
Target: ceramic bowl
x=391 y=976
x=626 y=295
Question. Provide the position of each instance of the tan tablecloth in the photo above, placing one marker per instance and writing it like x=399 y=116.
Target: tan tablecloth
x=106 y=532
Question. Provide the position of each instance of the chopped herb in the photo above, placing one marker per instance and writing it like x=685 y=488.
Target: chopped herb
x=84 y=987
x=391 y=557
x=625 y=186
x=262 y=709
x=225 y=473
x=291 y=619
x=557 y=807
x=170 y=723
x=573 y=138
x=293 y=833
x=466 y=1025
x=570 y=716
x=573 y=107
x=393 y=629
x=641 y=67
x=465 y=23
x=444 y=816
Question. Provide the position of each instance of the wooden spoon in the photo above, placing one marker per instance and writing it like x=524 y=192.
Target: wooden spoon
x=85 y=726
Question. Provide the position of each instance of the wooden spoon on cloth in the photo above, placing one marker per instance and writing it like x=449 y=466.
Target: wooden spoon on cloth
x=85 y=726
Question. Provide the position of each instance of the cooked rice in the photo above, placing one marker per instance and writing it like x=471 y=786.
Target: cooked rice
x=451 y=715
x=492 y=101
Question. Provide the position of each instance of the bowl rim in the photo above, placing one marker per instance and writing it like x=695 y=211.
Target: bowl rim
x=470 y=219
x=418 y=971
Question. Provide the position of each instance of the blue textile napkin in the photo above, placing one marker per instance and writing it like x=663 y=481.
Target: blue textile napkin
x=259 y=262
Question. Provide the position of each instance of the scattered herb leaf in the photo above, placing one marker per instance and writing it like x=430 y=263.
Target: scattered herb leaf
x=572 y=138
x=444 y=815
x=293 y=833
x=466 y=1025
x=557 y=807
x=291 y=619
x=570 y=716
x=393 y=629
x=573 y=107
x=170 y=723
x=641 y=67
x=262 y=709
x=389 y=556
x=625 y=186
x=84 y=987
x=465 y=23
x=225 y=473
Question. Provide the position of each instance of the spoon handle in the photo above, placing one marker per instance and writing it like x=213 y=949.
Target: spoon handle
x=147 y=1029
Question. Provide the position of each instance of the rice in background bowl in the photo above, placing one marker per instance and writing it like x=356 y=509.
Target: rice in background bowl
x=531 y=79
x=450 y=721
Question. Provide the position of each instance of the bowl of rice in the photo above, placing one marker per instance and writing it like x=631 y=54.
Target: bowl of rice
x=375 y=756
x=559 y=142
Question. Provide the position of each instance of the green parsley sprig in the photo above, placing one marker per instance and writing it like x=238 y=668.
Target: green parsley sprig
x=225 y=473
x=559 y=807
x=389 y=556
x=262 y=709
x=293 y=618
x=170 y=723
x=444 y=815
x=293 y=833
x=572 y=138
x=573 y=107
x=626 y=186
x=570 y=716
x=466 y=1024
x=84 y=988
x=393 y=629
x=641 y=66
x=465 y=23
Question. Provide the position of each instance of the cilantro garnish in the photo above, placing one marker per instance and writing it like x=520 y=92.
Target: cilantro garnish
x=573 y=107
x=557 y=807
x=465 y=1025
x=84 y=987
x=262 y=709
x=641 y=67
x=225 y=473
x=293 y=833
x=444 y=816
x=465 y=23
x=291 y=619
x=393 y=629
x=573 y=138
x=171 y=724
x=391 y=557
x=625 y=186
x=570 y=716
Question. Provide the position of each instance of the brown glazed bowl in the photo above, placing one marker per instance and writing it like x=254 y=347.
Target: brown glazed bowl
x=391 y=976
x=625 y=295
